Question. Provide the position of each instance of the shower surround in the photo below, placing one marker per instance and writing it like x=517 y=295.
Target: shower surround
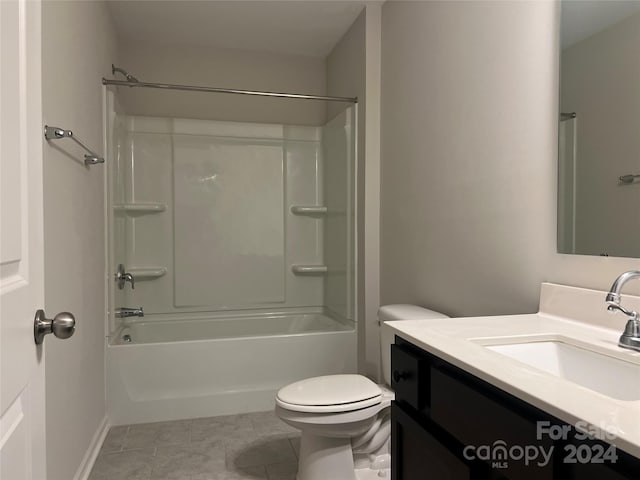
x=240 y=239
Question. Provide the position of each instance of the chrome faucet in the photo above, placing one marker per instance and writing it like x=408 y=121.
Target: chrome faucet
x=630 y=338
x=123 y=312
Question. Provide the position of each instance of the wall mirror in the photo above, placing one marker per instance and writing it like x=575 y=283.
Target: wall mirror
x=599 y=129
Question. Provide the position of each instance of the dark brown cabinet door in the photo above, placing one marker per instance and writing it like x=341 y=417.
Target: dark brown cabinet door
x=477 y=420
x=418 y=455
x=410 y=377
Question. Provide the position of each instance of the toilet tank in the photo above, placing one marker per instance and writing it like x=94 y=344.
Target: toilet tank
x=389 y=313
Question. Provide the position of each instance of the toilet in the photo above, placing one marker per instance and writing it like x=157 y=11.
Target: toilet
x=345 y=419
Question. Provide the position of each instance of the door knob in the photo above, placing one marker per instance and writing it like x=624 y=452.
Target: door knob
x=62 y=326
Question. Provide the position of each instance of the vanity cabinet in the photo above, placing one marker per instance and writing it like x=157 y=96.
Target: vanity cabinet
x=448 y=424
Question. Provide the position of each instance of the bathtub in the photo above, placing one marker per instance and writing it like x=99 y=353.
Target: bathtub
x=198 y=367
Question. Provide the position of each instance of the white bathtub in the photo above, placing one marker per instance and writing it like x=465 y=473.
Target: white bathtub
x=189 y=368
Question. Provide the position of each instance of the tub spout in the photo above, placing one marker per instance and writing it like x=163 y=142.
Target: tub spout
x=123 y=312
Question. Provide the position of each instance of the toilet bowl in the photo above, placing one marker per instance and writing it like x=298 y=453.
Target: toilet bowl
x=345 y=419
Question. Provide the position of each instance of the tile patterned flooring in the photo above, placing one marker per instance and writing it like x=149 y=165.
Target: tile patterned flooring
x=235 y=447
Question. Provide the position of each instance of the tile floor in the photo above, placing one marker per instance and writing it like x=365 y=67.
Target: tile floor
x=234 y=447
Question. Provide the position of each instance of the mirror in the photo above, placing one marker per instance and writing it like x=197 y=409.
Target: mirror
x=599 y=129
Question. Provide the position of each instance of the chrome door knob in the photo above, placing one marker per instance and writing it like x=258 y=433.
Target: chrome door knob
x=62 y=326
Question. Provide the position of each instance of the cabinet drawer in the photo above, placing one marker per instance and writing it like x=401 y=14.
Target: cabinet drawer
x=477 y=420
x=410 y=377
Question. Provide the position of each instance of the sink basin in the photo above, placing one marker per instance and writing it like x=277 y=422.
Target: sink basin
x=601 y=373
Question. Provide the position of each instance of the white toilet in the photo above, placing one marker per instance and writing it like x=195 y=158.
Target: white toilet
x=345 y=419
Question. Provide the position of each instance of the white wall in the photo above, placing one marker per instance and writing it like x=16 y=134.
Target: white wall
x=600 y=82
x=228 y=69
x=469 y=150
x=77 y=50
x=353 y=69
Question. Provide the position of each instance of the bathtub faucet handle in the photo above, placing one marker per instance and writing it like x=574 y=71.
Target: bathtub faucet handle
x=129 y=278
x=122 y=277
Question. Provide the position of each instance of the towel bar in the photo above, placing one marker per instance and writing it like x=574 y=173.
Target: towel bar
x=56 y=133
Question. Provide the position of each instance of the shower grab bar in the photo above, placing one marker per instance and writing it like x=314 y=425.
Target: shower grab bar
x=309 y=269
x=628 y=178
x=56 y=133
x=147 y=273
x=308 y=209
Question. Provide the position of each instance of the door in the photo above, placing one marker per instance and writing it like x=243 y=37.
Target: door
x=22 y=439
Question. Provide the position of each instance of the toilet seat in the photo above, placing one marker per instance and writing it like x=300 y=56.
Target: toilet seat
x=329 y=394
x=343 y=407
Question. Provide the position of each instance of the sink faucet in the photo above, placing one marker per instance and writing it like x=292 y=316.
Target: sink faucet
x=123 y=312
x=630 y=338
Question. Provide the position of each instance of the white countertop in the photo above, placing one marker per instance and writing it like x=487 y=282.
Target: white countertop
x=459 y=342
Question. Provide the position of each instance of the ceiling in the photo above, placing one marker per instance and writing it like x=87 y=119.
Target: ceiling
x=582 y=18
x=299 y=27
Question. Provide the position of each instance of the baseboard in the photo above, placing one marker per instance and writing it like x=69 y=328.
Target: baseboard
x=92 y=452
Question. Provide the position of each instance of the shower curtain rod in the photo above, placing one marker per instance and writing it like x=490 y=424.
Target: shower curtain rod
x=194 y=88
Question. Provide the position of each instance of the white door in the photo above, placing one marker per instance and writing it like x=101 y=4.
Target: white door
x=22 y=407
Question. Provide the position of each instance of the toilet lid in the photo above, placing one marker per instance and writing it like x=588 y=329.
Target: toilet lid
x=335 y=393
